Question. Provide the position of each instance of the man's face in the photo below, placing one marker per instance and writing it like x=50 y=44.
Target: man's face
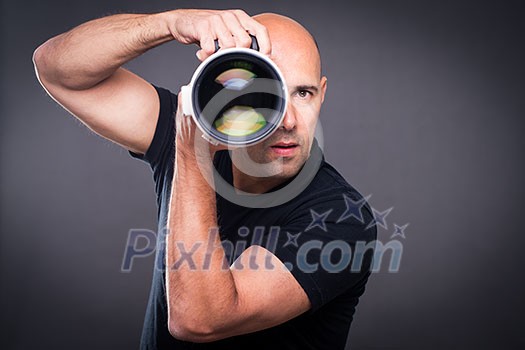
x=283 y=154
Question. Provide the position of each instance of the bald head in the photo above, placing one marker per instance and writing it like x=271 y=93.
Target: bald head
x=294 y=51
x=290 y=40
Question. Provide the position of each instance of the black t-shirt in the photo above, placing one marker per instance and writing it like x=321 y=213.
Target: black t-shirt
x=311 y=233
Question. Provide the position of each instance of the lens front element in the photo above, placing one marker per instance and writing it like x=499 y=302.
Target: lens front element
x=239 y=98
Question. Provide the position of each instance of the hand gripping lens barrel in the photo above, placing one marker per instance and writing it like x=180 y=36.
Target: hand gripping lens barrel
x=237 y=96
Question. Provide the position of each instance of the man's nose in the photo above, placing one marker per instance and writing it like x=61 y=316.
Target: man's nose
x=290 y=118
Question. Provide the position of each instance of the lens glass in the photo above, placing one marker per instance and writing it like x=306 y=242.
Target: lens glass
x=235 y=79
x=240 y=121
x=238 y=98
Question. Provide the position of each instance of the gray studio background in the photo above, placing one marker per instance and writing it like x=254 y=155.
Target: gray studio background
x=424 y=111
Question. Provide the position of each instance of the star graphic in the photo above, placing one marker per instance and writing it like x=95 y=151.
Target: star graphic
x=318 y=220
x=379 y=218
x=292 y=239
x=353 y=209
x=399 y=231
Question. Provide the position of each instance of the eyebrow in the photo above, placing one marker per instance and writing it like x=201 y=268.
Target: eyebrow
x=306 y=87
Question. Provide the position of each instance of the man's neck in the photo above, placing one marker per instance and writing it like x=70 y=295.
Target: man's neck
x=255 y=185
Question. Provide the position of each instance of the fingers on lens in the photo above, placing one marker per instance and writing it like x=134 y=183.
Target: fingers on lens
x=222 y=32
x=258 y=30
x=240 y=36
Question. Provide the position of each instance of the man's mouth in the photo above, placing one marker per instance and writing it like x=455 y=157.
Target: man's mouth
x=285 y=148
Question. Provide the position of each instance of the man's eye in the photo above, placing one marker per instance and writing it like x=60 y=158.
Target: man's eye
x=303 y=93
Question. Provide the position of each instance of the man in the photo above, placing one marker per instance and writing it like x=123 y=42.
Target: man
x=278 y=295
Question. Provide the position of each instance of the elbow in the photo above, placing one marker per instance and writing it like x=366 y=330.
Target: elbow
x=50 y=69
x=185 y=332
x=196 y=319
x=192 y=329
x=42 y=66
x=38 y=60
x=37 y=56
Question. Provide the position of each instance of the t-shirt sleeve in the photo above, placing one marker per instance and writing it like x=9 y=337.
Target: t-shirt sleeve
x=162 y=147
x=318 y=244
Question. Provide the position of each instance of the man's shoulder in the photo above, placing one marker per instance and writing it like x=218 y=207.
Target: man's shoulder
x=329 y=182
x=331 y=197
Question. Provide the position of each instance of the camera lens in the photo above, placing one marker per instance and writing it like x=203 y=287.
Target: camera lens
x=239 y=98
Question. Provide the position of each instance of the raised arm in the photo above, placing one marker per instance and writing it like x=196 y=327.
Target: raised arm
x=207 y=300
x=81 y=69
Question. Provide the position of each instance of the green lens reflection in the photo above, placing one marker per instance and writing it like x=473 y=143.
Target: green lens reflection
x=240 y=121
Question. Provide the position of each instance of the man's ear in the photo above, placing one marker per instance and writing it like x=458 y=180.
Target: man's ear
x=323 y=88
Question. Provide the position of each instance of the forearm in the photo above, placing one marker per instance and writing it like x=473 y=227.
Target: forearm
x=199 y=292
x=93 y=51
